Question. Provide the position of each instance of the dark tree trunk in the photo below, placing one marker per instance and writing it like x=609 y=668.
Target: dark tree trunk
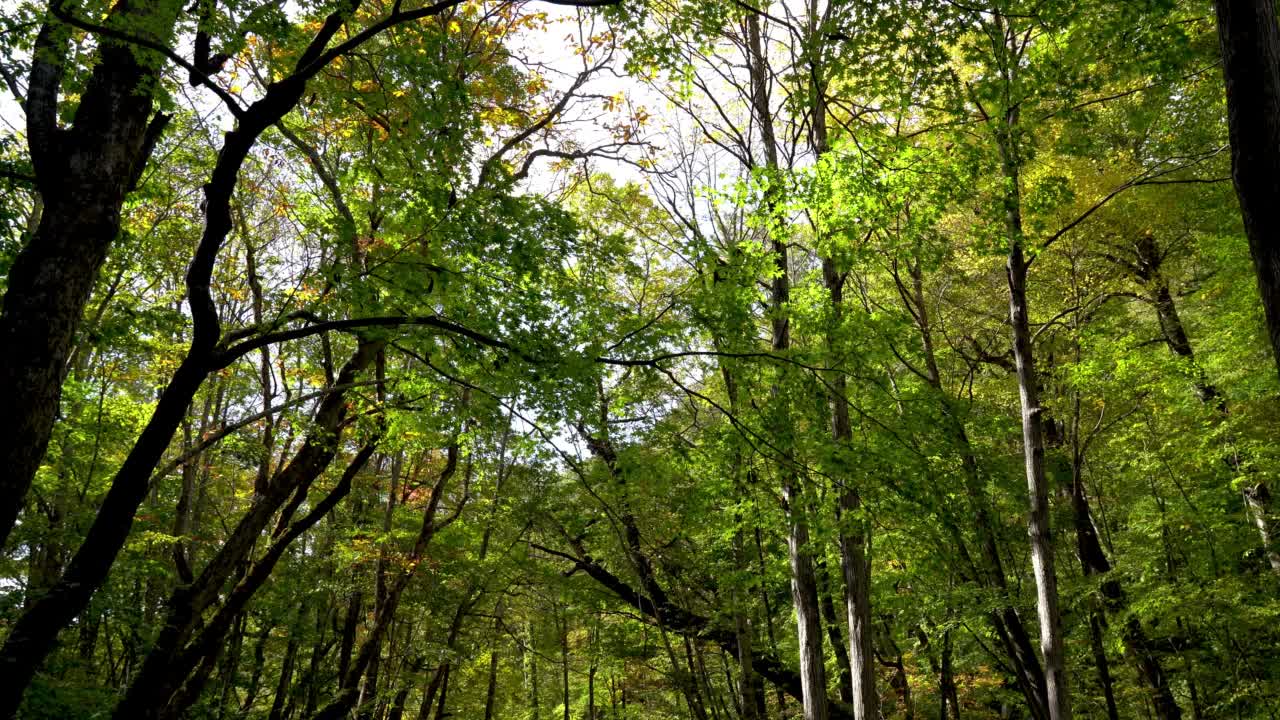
x=397 y=705
x=1250 y=42
x=491 y=693
x=255 y=674
x=286 y=678
x=564 y=663
x=591 y=693
x=429 y=694
x=368 y=703
x=83 y=173
x=230 y=665
x=34 y=634
x=1093 y=560
x=1097 y=644
x=948 y=685
x=347 y=646
x=167 y=664
x=443 y=698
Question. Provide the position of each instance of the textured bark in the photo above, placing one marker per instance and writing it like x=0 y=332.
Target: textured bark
x=854 y=535
x=1258 y=498
x=804 y=598
x=83 y=173
x=1250 y=44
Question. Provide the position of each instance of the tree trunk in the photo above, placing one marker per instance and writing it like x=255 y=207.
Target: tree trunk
x=854 y=538
x=389 y=600
x=35 y=633
x=347 y=646
x=591 y=693
x=286 y=675
x=429 y=695
x=1004 y=620
x=255 y=675
x=948 y=684
x=1094 y=562
x=804 y=590
x=1096 y=624
x=397 y=705
x=443 y=698
x=564 y=662
x=831 y=620
x=491 y=694
x=535 y=709
x=169 y=662
x=1250 y=42
x=83 y=174
x=1057 y=688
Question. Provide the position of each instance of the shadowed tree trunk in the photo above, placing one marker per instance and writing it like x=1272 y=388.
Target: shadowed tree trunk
x=83 y=174
x=1250 y=42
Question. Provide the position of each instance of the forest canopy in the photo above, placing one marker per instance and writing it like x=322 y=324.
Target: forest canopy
x=639 y=359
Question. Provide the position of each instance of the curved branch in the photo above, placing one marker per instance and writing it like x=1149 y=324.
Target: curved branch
x=203 y=79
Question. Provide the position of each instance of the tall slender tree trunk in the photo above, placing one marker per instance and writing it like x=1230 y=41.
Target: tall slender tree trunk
x=1097 y=622
x=831 y=620
x=854 y=538
x=564 y=662
x=1005 y=620
x=429 y=694
x=443 y=699
x=804 y=590
x=534 y=700
x=397 y=704
x=491 y=694
x=750 y=690
x=286 y=673
x=1057 y=688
